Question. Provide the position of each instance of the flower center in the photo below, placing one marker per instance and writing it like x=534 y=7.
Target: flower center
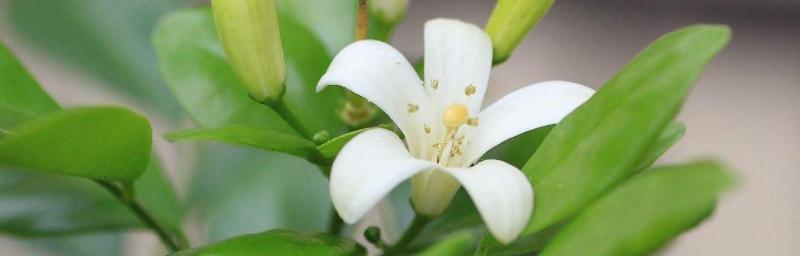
x=455 y=115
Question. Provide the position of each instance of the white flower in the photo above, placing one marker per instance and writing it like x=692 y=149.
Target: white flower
x=446 y=132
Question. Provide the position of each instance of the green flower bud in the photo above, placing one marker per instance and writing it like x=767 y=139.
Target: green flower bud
x=373 y=234
x=387 y=11
x=251 y=38
x=510 y=22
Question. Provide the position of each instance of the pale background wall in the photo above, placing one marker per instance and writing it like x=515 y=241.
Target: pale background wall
x=745 y=110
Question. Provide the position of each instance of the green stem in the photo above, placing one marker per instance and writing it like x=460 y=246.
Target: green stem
x=126 y=197
x=417 y=225
x=283 y=110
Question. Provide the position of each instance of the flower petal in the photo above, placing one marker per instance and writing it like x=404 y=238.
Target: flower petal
x=368 y=168
x=457 y=55
x=381 y=74
x=501 y=193
x=523 y=110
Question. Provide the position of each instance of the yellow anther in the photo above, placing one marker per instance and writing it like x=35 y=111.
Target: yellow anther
x=470 y=90
x=412 y=108
x=435 y=84
x=426 y=128
x=455 y=115
x=472 y=121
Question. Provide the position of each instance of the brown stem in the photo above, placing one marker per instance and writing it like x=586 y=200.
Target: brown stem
x=361 y=23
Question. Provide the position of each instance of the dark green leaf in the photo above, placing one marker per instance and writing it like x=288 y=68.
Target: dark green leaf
x=107 y=143
x=279 y=243
x=193 y=64
x=106 y=243
x=668 y=137
x=256 y=137
x=42 y=204
x=21 y=97
x=644 y=213
x=601 y=143
x=518 y=150
x=107 y=38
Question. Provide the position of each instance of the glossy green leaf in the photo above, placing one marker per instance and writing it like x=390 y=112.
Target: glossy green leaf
x=601 y=143
x=459 y=243
x=668 y=137
x=21 y=97
x=256 y=137
x=108 y=39
x=279 y=243
x=106 y=143
x=644 y=213
x=240 y=190
x=194 y=66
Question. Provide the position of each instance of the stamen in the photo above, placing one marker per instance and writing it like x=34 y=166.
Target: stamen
x=435 y=84
x=470 y=90
x=412 y=108
x=426 y=128
x=472 y=121
x=455 y=115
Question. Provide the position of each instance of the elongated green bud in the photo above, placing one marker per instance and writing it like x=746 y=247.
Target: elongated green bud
x=251 y=37
x=510 y=22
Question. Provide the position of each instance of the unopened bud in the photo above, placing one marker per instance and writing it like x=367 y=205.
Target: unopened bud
x=387 y=11
x=510 y=22
x=251 y=37
x=373 y=234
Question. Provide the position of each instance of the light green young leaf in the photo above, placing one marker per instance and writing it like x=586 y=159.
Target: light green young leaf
x=244 y=135
x=645 y=213
x=105 y=143
x=278 y=243
x=668 y=137
x=194 y=66
x=331 y=148
x=601 y=143
x=21 y=97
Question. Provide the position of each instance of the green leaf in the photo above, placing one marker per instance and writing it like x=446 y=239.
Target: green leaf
x=194 y=66
x=459 y=243
x=668 y=137
x=256 y=137
x=601 y=143
x=106 y=143
x=155 y=193
x=645 y=213
x=307 y=61
x=518 y=150
x=279 y=242
x=109 y=39
x=240 y=190
x=333 y=22
x=107 y=243
x=21 y=97
x=331 y=148
x=42 y=204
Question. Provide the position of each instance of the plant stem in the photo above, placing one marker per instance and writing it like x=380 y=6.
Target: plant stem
x=417 y=225
x=361 y=23
x=283 y=110
x=129 y=201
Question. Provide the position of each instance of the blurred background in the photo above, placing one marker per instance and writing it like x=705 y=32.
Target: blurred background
x=745 y=110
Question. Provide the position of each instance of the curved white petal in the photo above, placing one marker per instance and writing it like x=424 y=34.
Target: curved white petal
x=381 y=74
x=457 y=55
x=523 y=110
x=501 y=193
x=368 y=168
